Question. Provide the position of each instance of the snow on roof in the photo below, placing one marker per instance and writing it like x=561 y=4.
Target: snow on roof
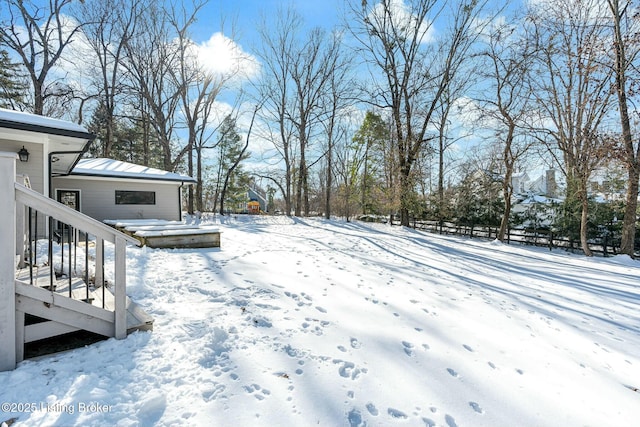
x=32 y=122
x=102 y=167
x=538 y=199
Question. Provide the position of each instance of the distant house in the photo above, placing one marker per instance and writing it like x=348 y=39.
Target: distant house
x=257 y=199
x=533 y=199
x=111 y=189
x=519 y=181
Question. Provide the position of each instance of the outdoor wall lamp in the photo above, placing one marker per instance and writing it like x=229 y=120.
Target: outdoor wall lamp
x=23 y=154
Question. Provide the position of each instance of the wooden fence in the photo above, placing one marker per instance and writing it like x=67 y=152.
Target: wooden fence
x=604 y=245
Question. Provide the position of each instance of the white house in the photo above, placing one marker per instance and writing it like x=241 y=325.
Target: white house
x=111 y=189
x=51 y=147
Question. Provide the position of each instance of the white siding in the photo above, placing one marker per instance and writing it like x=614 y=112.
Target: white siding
x=98 y=200
x=34 y=167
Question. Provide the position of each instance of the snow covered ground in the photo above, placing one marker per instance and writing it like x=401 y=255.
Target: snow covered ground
x=302 y=322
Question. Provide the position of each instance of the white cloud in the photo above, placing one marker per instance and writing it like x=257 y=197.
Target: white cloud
x=222 y=56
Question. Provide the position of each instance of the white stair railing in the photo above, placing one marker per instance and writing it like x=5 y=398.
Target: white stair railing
x=27 y=199
x=18 y=204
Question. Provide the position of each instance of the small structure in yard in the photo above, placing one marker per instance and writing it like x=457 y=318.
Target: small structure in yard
x=169 y=234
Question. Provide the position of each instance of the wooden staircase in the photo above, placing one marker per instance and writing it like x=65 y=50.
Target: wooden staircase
x=60 y=314
x=49 y=300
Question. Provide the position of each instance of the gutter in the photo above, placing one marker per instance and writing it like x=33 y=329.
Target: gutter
x=60 y=153
x=180 y=200
x=30 y=127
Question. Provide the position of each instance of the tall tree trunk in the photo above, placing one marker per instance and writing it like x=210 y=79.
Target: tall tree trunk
x=190 y=168
x=507 y=185
x=406 y=190
x=299 y=184
x=329 y=182
x=199 y=195
x=584 y=217
x=627 y=244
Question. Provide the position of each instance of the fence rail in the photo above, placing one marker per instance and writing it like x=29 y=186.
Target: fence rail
x=604 y=245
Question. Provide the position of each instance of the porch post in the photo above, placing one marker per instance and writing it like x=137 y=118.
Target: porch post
x=7 y=261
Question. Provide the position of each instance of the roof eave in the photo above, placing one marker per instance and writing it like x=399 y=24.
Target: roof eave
x=184 y=181
x=32 y=127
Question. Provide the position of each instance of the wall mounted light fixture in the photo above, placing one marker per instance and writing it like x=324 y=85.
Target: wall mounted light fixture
x=23 y=154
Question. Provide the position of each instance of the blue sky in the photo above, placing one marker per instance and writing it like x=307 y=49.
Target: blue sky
x=246 y=14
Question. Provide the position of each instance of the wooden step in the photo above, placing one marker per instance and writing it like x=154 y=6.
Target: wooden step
x=137 y=318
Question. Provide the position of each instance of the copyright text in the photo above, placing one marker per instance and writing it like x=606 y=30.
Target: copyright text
x=67 y=408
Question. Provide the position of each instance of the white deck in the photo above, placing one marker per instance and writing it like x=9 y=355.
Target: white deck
x=156 y=233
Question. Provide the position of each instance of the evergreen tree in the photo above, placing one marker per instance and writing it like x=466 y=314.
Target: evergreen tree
x=369 y=140
x=231 y=180
x=12 y=86
x=127 y=143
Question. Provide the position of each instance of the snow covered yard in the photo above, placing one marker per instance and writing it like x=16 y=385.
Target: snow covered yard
x=301 y=322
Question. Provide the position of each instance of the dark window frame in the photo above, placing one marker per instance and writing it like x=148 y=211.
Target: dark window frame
x=135 y=197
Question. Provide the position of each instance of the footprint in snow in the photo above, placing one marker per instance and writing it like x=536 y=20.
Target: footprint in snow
x=372 y=409
x=408 y=348
x=396 y=413
x=355 y=419
x=348 y=369
x=468 y=348
x=453 y=373
x=429 y=422
x=260 y=393
x=476 y=407
x=355 y=343
x=451 y=422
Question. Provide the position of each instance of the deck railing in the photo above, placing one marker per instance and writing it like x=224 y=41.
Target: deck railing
x=67 y=228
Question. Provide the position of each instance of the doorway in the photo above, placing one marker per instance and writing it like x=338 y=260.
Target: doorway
x=71 y=199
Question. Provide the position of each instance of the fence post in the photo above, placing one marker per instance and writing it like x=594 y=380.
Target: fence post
x=8 y=262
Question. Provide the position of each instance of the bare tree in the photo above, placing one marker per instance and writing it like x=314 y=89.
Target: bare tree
x=39 y=35
x=507 y=105
x=315 y=63
x=349 y=161
x=151 y=62
x=299 y=71
x=199 y=90
x=572 y=91
x=626 y=48
x=109 y=24
x=276 y=89
x=336 y=104
x=410 y=72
